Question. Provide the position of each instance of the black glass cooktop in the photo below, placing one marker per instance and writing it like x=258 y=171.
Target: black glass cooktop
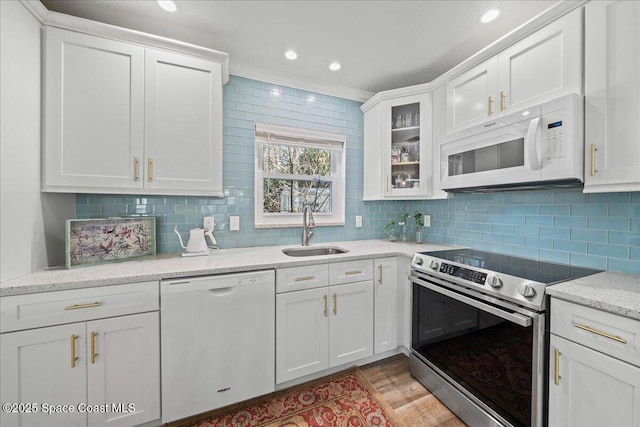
x=525 y=268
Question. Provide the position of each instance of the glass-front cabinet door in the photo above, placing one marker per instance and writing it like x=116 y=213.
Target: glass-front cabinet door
x=406 y=147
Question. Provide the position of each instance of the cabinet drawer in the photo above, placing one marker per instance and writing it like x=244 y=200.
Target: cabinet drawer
x=350 y=271
x=609 y=333
x=53 y=308
x=298 y=278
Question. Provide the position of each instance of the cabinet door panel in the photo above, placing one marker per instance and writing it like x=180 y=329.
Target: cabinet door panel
x=409 y=171
x=93 y=111
x=386 y=300
x=612 y=96
x=183 y=123
x=36 y=368
x=125 y=370
x=543 y=66
x=351 y=322
x=471 y=97
x=301 y=333
x=594 y=389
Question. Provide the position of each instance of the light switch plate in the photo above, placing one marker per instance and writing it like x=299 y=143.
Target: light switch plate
x=358 y=221
x=234 y=223
x=426 y=220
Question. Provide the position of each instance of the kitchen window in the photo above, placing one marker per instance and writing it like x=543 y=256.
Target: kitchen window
x=295 y=167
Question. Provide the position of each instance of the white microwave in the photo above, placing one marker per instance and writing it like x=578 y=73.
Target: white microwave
x=538 y=146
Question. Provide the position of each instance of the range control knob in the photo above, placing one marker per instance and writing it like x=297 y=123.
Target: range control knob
x=434 y=265
x=419 y=261
x=527 y=291
x=494 y=282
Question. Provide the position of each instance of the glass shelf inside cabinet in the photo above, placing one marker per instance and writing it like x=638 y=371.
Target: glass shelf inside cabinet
x=405 y=146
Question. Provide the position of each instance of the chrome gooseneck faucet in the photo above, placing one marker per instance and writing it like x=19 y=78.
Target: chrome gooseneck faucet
x=307 y=224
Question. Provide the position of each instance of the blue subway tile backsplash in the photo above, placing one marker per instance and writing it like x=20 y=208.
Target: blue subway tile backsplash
x=567 y=226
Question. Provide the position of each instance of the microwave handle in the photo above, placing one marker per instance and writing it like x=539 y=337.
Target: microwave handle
x=530 y=142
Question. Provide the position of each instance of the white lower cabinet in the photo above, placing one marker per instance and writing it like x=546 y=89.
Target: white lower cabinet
x=350 y=322
x=96 y=372
x=594 y=374
x=36 y=368
x=323 y=327
x=386 y=304
x=593 y=389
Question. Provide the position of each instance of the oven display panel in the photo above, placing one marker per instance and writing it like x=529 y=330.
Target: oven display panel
x=463 y=273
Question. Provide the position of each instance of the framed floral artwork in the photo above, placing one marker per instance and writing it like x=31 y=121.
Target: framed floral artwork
x=97 y=241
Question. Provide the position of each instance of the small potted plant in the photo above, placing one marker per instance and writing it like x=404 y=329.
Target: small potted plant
x=417 y=216
x=391 y=231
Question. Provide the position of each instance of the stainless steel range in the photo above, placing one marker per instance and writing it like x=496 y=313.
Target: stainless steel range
x=479 y=333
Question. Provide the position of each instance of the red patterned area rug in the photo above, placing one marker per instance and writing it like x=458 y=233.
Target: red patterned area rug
x=345 y=399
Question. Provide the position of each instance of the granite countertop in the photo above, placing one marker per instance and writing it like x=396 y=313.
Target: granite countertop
x=166 y=266
x=611 y=291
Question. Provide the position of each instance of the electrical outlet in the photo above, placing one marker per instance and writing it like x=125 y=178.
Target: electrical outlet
x=426 y=220
x=358 y=221
x=209 y=223
x=234 y=223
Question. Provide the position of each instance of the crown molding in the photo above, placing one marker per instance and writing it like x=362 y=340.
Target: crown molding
x=113 y=32
x=37 y=9
x=297 y=82
x=534 y=24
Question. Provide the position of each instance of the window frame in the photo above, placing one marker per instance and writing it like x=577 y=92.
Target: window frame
x=286 y=135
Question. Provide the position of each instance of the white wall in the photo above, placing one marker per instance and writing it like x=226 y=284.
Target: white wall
x=31 y=223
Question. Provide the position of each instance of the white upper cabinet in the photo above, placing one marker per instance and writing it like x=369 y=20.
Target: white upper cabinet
x=124 y=118
x=545 y=65
x=471 y=96
x=612 y=96
x=93 y=111
x=183 y=130
x=399 y=161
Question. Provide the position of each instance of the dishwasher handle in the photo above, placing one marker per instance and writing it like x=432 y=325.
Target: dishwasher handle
x=223 y=292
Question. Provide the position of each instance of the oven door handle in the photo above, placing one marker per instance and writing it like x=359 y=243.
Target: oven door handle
x=516 y=318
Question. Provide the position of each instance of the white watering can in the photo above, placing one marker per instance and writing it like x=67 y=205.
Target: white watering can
x=197 y=244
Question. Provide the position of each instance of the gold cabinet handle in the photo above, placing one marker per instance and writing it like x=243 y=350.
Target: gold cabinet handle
x=556 y=371
x=79 y=306
x=74 y=338
x=489 y=105
x=379 y=274
x=149 y=169
x=325 y=306
x=502 y=99
x=602 y=334
x=304 y=278
x=335 y=304
x=352 y=272
x=93 y=347
x=593 y=159
x=136 y=165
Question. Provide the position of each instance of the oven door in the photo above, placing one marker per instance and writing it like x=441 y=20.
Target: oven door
x=479 y=351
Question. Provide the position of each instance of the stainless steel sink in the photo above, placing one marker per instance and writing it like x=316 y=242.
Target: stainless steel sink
x=314 y=251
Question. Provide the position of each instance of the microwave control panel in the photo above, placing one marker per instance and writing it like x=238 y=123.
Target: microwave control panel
x=555 y=140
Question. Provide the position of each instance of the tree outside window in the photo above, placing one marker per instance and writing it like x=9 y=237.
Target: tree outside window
x=296 y=170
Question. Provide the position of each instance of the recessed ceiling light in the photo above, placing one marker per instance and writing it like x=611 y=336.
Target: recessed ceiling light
x=168 y=5
x=490 y=16
x=335 y=66
x=290 y=54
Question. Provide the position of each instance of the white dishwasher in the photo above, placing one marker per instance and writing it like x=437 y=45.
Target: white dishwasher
x=218 y=341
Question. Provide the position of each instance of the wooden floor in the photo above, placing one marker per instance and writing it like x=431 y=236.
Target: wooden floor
x=413 y=404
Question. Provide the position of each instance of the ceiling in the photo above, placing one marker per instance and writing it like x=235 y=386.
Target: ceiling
x=381 y=45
